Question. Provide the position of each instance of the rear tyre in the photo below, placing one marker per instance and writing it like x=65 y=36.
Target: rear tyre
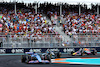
x=23 y=58
x=72 y=53
x=58 y=54
x=28 y=59
x=94 y=53
x=81 y=54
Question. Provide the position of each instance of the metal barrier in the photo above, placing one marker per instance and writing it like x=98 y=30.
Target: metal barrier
x=30 y=41
x=49 y=41
x=86 y=40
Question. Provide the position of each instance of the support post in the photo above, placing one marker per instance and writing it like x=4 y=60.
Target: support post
x=30 y=40
x=97 y=9
x=60 y=9
x=60 y=12
x=79 y=9
x=36 y=8
x=15 y=7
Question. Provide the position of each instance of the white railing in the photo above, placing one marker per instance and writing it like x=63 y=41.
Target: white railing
x=49 y=40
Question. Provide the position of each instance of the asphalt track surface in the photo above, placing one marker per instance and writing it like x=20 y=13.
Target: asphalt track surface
x=15 y=61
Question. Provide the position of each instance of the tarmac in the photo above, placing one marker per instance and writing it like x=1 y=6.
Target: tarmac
x=15 y=61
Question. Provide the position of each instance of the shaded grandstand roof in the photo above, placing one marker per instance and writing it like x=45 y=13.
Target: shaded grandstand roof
x=55 y=1
x=88 y=2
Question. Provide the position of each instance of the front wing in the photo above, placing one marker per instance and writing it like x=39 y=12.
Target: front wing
x=36 y=61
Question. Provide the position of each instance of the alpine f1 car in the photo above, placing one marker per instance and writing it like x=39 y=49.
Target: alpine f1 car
x=84 y=51
x=32 y=57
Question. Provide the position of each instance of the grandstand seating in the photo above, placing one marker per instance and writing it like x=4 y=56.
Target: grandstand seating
x=35 y=27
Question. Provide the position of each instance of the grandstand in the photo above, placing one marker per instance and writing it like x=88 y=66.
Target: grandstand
x=48 y=25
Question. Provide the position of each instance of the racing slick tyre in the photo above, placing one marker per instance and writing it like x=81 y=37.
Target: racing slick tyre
x=34 y=58
x=72 y=53
x=94 y=53
x=82 y=53
x=23 y=58
x=28 y=58
x=58 y=54
x=49 y=59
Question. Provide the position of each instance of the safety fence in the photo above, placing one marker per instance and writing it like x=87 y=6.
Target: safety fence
x=86 y=40
x=38 y=40
x=49 y=40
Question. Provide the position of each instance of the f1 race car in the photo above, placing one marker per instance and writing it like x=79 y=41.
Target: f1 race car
x=32 y=57
x=84 y=51
x=54 y=54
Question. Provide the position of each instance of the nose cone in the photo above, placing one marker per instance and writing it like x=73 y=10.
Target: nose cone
x=38 y=58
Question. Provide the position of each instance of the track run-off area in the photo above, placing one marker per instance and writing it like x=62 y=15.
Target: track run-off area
x=15 y=61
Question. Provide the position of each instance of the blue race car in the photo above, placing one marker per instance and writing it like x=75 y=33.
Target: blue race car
x=32 y=57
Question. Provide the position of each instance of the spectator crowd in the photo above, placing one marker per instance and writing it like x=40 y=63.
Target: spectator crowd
x=71 y=21
x=27 y=23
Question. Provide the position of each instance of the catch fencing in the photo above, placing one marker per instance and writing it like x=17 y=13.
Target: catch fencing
x=86 y=40
x=31 y=41
x=49 y=41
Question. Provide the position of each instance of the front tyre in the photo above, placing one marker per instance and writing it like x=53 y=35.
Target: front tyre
x=49 y=59
x=23 y=58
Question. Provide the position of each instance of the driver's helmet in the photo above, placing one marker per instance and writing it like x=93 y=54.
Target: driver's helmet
x=85 y=49
x=34 y=52
x=48 y=51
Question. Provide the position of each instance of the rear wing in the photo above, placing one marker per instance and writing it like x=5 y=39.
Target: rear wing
x=29 y=53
